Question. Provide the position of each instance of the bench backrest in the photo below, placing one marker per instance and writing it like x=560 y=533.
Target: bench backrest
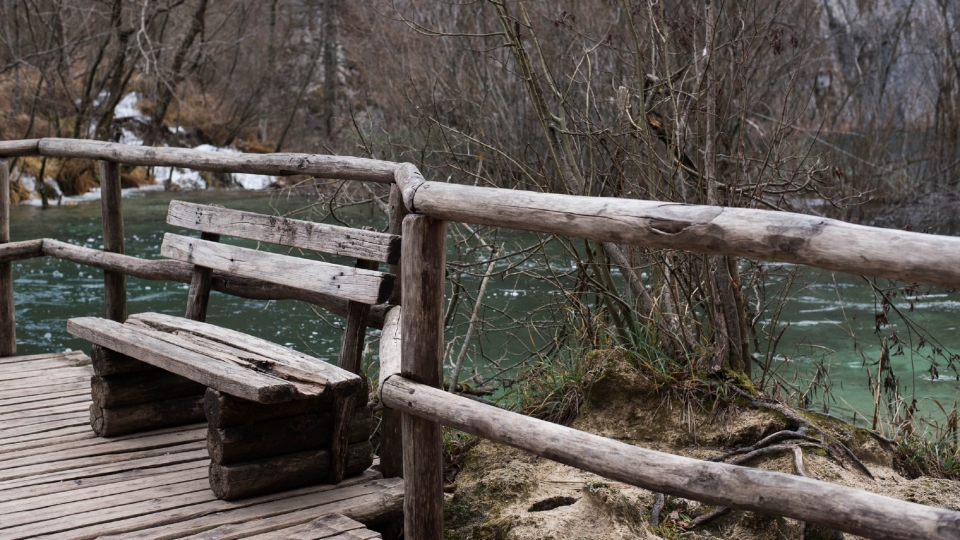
x=362 y=285
x=355 y=284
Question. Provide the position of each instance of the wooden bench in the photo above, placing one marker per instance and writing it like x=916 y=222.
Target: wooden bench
x=277 y=419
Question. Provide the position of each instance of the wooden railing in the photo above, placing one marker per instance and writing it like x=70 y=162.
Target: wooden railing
x=411 y=342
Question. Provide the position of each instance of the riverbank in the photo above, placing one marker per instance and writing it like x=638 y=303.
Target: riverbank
x=502 y=493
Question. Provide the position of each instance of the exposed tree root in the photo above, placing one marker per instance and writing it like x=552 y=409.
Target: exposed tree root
x=779 y=436
x=655 y=511
x=703 y=519
x=798 y=462
x=778 y=449
x=835 y=449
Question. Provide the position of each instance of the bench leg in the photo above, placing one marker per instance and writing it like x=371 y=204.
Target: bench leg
x=130 y=396
x=257 y=449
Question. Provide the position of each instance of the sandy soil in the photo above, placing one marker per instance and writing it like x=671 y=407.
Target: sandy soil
x=503 y=493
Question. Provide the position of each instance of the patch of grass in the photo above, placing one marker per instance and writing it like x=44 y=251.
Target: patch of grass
x=936 y=456
x=456 y=445
x=551 y=391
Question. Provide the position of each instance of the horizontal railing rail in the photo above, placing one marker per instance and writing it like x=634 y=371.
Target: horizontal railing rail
x=409 y=350
x=339 y=167
x=177 y=271
x=764 y=235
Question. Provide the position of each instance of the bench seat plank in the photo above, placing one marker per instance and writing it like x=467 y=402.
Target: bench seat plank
x=345 y=241
x=366 y=286
x=284 y=362
x=229 y=378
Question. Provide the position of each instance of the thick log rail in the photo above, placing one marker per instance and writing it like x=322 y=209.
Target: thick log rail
x=409 y=363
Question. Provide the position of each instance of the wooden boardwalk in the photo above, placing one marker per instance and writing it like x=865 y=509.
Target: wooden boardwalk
x=57 y=480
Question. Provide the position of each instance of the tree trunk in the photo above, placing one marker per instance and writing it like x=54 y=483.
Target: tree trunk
x=330 y=65
x=166 y=88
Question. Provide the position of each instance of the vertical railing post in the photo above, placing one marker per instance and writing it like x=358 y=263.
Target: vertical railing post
x=422 y=259
x=391 y=433
x=114 y=283
x=8 y=330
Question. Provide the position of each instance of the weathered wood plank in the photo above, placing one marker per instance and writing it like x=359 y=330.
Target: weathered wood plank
x=23 y=468
x=68 y=490
x=39 y=414
x=110 y=422
x=43 y=356
x=10 y=424
x=345 y=241
x=372 y=508
x=28 y=388
x=421 y=343
x=284 y=361
x=90 y=492
x=92 y=445
x=339 y=167
x=105 y=505
x=111 y=203
x=234 y=357
x=8 y=326
x=22 y=387
x=135 y=342
x=39 y=376
x=851 y=510
x=352 y=497
x=16 y=403
x=756 y=234
x=359 y=534
x=47 y=364
x=282 y=436
x=23 y=426
x=88 y=471
x=45 y=437
x=18 y=251
x=323 y=527
x=40 y=445
x=181 y=272
x=367 y=286
x=141 y=387
x=284 y=472
x=165 y=497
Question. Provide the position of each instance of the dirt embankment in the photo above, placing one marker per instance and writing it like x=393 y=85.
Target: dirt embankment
x=503 y=493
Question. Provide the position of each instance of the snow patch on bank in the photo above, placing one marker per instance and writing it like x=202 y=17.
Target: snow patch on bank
x=184 y=179
x=127 y=108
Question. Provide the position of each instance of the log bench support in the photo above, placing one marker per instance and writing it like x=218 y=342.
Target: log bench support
x=300 y=421
x=130 y=396
x=256 y=449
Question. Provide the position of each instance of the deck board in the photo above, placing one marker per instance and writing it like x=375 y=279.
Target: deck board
x=59 y=481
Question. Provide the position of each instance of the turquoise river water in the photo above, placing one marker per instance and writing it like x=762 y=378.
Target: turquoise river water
x=817 y=318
